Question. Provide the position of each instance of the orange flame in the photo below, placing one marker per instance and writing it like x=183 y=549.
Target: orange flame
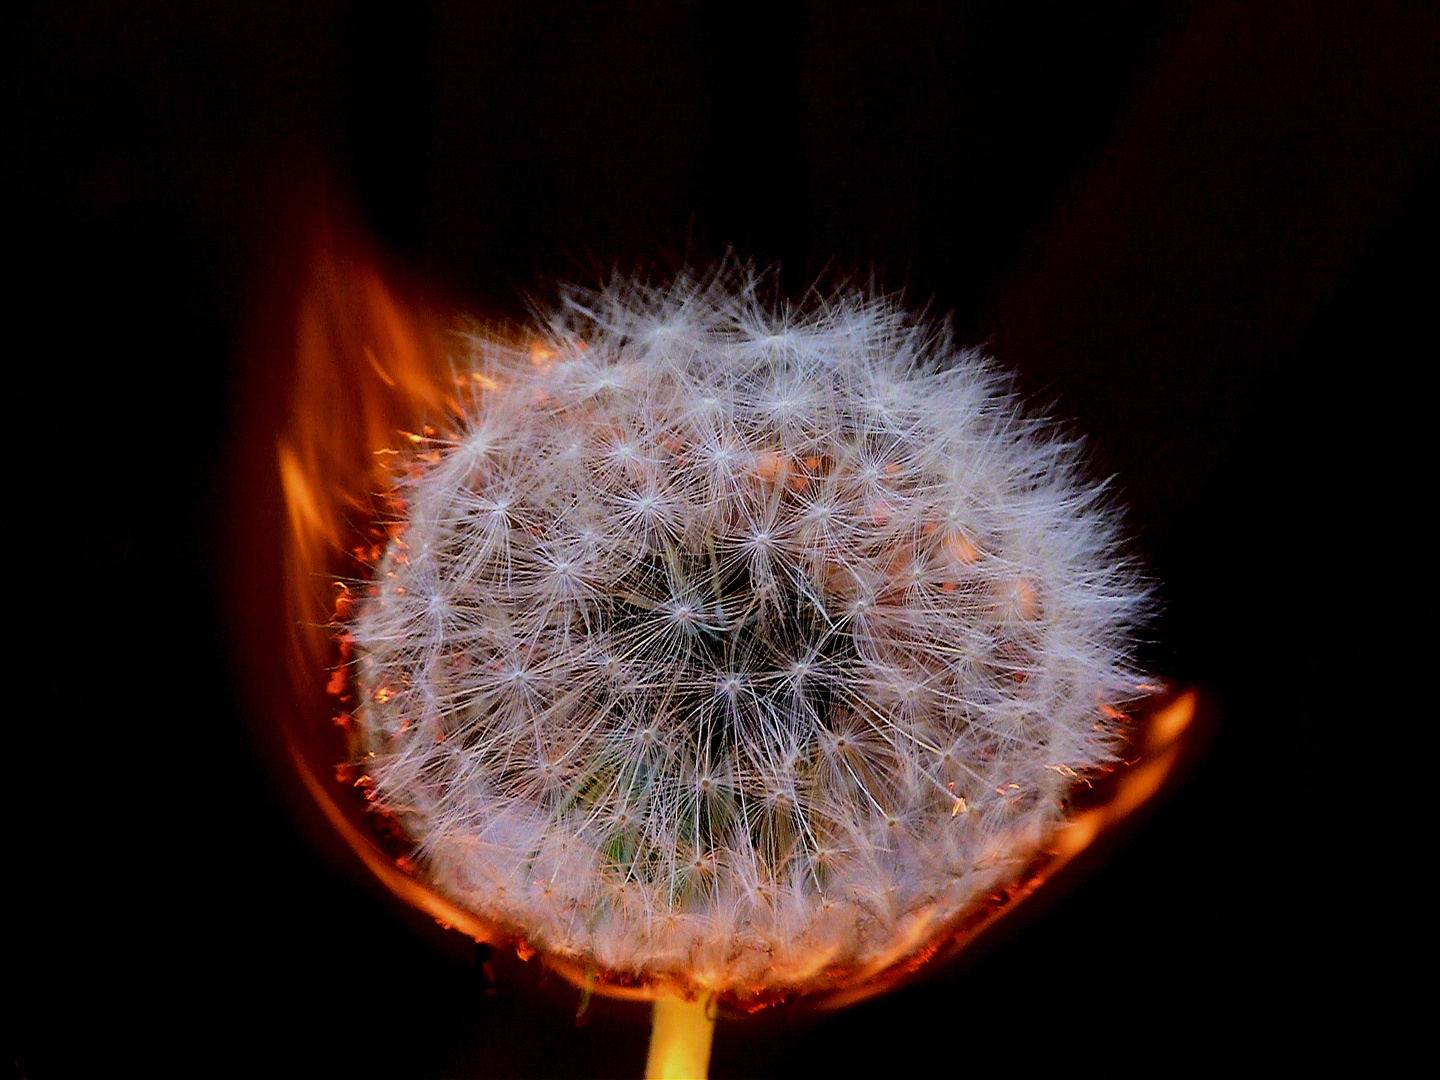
x=370 y=365
x=367 y=366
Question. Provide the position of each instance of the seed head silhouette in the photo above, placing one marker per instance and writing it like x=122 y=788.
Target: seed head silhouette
x=735 y=645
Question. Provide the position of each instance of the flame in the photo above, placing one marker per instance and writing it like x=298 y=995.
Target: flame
x=371 y=365
x=367 y=365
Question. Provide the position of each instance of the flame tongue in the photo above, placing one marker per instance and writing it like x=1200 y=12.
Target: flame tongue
x=367 y=366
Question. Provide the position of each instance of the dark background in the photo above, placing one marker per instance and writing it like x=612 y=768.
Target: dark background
x=1202 y=234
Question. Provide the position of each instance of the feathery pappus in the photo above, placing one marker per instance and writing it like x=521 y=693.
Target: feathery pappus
x=735 y=644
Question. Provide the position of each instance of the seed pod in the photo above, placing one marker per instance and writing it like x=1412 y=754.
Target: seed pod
x=735 y=647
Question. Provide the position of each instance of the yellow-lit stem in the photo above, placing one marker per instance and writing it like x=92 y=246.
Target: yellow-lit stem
x=680 y=1035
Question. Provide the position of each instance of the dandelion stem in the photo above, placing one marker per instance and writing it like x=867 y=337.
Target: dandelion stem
x=680 y=1036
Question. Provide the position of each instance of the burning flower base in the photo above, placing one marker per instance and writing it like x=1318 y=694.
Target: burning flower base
x=723 y=650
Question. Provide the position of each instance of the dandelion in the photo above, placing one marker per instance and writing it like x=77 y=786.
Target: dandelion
x=727 y=646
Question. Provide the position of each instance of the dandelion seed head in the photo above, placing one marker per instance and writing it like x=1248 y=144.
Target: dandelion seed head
x=735 y=644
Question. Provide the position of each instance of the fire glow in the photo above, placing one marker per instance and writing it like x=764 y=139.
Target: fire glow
x=371 y=371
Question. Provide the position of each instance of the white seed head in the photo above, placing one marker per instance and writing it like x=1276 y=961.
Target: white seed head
x=732 y=645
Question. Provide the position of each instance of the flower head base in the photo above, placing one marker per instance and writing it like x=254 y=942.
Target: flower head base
x=733 y=647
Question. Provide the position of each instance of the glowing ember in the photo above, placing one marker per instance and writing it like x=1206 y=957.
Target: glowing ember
x=704 y=649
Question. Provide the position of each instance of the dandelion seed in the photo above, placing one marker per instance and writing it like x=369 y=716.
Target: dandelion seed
x=723 y=646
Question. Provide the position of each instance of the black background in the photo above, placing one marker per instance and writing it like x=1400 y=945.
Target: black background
x=1201 y=233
